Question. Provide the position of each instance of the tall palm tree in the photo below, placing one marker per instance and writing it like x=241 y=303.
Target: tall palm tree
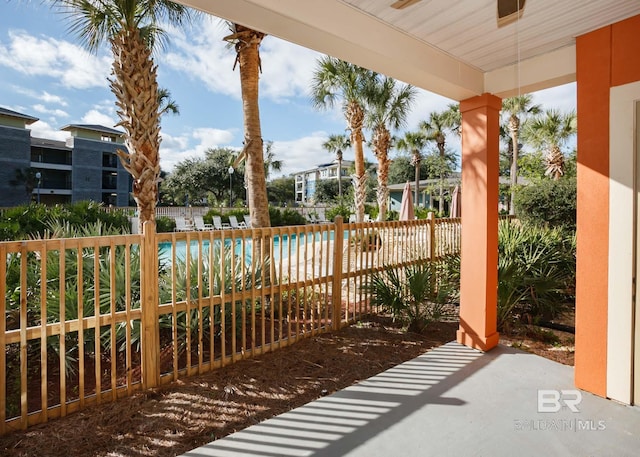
x=337 y=144
x=549 y=132
x=166 y=104
x=132 y=30
x=247 y=46
x=336 y=81
x=414 y=142
x=435 y=128
x=387 y=107
x=516 y=109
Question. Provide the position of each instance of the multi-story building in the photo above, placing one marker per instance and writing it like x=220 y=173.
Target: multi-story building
x=306 y=180
x=84 y=167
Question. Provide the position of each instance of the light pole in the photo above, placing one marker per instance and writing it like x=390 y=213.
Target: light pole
x=230 y=188
x=39 y=178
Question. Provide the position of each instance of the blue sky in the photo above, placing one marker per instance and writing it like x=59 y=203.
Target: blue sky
x=45 y=73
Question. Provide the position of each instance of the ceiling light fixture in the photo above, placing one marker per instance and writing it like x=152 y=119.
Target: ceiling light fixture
x=401 y=4
x=509 y=11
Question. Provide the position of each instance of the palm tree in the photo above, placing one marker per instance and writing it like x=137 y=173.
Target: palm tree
x=336 y=144
x=335 y=80
x=516 y=108
x=549 y=132
x=132 y=29
x=166 y=104
x=435 y=128
x=414 y=142
x=247 y=46
x=387 y=107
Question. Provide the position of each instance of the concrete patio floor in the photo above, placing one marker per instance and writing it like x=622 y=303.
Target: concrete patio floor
x=452 y=401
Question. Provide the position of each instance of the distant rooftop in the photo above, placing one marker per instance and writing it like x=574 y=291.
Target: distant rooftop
x=94 y=127
x=43 y=142
x=28 y=119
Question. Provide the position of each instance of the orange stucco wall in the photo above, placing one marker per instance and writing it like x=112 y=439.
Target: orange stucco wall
x=479 y=258
x=606 y=58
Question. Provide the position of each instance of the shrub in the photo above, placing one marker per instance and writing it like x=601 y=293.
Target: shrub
x=338 y=210
x=548 y=202
x=165 y=224
x=536 y=273
x=416 y=295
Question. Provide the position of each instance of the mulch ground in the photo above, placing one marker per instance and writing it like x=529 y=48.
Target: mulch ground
x=178 y=417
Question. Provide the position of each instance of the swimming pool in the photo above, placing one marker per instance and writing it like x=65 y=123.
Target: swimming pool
x=289 y=246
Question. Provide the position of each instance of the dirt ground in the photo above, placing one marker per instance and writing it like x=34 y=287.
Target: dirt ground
x=189 y=413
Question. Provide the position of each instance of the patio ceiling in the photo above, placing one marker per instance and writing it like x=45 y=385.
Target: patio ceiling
x=453 y=48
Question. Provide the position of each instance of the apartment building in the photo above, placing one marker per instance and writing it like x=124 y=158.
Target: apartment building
x=84 y=167
x=306 y=180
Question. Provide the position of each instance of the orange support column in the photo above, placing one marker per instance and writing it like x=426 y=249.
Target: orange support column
x=479 y=258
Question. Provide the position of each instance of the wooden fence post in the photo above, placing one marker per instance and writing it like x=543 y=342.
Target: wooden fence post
x=432 y=235
x=336 y=287
x=150 y=327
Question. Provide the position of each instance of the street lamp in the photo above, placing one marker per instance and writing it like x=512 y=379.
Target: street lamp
x=39 y=178
x=230 y=188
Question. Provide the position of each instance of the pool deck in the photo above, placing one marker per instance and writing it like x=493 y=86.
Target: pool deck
x=452 y=401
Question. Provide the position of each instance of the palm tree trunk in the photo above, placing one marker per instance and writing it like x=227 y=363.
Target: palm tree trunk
x=514 y=125
x=355 y=116
x=136 y=91
x=441 y=190
x=340 y=177
x=416 y=164
x=249 y=60
x=381 y=143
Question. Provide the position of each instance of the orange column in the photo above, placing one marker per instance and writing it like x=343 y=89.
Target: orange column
x=479 y=258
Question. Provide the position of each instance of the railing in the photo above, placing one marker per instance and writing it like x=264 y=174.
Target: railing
x=89 y=320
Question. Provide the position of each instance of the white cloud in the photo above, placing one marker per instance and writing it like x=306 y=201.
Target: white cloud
x=94 y=116
x=39 y=108
x=302 y=154
x=202 y=54
x=175 y=149
x=41 y=129
x=49 y=57
x=49 y=98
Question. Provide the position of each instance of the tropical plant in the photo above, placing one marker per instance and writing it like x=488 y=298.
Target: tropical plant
x=388 y=105
x=550 y=132
x=435 y=128
x=336 y=81
x=337 y=144
x=247 y=42
x=414 y=142
x=548 y=202
x=25 y=177
x=132 y=29
x=516 y=109
x=416 y=295
x=536 y=273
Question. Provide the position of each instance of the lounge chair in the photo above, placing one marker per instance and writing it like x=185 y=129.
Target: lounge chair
x=233 y=221
x=312 y=218
x=218 y=224
x=199 y=223
x=181 y=225
x=352 y=218
x=367 y=218
x=247 y=221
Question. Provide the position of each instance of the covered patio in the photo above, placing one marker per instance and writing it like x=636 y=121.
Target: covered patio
x=451 y=401
x=463 y=51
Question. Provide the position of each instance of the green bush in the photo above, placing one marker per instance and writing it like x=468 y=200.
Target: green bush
x=548 y=202
x=338 y=210
x=165 y=224
x=32 y=221
x=536 y=273
x=416 y=295
x=285 y=217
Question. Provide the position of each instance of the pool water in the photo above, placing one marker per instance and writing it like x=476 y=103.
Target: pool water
x=289 y=246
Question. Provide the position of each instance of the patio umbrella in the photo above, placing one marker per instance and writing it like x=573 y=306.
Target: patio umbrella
x=455 y=209
x=406 y=207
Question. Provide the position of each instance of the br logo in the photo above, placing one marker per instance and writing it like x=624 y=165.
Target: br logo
x=552 y=400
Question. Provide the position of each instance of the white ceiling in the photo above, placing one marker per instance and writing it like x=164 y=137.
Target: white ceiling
x=451 y=47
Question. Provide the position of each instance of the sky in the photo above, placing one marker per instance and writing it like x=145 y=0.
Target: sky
x=46 y=73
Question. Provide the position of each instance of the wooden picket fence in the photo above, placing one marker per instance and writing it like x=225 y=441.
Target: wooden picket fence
x=90 y=320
